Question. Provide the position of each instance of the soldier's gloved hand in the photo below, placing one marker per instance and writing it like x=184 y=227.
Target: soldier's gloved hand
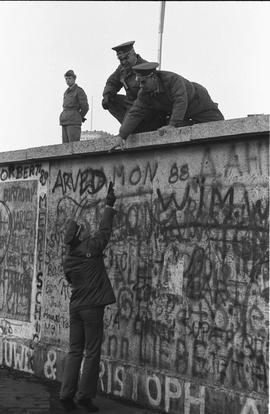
x=165 y=129
x=119 y=143
x=110 y=199
x=106 y=100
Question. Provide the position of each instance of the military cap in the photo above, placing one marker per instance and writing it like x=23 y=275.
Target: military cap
x=70 y=73
x=124 y=47
x=72 y=232
x=146 y=68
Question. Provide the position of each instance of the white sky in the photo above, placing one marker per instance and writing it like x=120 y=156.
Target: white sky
x=222 y=45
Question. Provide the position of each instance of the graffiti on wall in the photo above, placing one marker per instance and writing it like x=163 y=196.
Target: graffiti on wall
x=16 y=355
x=40 y=263
x=169 y=393
x=24 y=172
x=188 y=260
x=18 y=211
x=23 y=218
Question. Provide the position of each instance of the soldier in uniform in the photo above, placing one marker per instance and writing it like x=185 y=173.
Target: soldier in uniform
x=75 y=107
x=165 y=101
x=122 y=77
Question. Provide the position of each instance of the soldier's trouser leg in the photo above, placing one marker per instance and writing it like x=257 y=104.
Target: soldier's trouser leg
x=152 y=122
x=64 y=135
x=119 y=106
x=202 y=108
x=208 y=115
x=71 y=133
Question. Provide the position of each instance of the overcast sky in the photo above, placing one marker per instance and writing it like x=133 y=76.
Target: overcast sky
x=222 y=45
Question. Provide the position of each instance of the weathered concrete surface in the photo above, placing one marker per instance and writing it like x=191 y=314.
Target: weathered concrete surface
x=23 y=393
x=249 y=126
x=188 y=260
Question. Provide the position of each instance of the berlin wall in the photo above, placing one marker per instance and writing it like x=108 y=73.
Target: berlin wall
x=188 y=261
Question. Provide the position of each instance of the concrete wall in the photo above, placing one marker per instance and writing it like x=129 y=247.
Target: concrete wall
x=188 y=260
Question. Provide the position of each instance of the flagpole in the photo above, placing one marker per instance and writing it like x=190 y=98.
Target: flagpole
x=92 y=113
x=160 y=31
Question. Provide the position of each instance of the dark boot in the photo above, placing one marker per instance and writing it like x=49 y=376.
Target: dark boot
x=87 y=403
x=68 y=404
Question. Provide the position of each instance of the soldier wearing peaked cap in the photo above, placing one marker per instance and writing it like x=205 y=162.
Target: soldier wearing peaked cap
x=165 y=101
x=75 y=107
x=124 y=47
x=123 y=77
x=145 y=69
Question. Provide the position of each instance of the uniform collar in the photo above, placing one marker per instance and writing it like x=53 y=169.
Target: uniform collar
x=70 y=88
x=160 y=88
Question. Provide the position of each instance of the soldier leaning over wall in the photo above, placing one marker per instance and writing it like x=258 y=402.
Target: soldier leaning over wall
x=166 y=101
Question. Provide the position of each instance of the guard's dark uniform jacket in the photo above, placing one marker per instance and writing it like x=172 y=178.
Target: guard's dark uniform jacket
x=84 y=268
x=75 y=106
x=123 y=77
x=176 y=97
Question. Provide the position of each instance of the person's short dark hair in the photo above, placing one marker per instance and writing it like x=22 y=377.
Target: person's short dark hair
x=70 y=73
x=124 y=47
x=146 y=68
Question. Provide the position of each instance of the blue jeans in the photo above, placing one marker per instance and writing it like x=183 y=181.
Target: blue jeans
x=86 y=332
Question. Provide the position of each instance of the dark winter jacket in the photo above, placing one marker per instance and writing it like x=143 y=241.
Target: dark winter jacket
x=75 y=106
x=176 y=96
x=123 y=77
x=84 y=268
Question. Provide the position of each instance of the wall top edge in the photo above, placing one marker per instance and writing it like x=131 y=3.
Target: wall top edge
x=254 y=124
